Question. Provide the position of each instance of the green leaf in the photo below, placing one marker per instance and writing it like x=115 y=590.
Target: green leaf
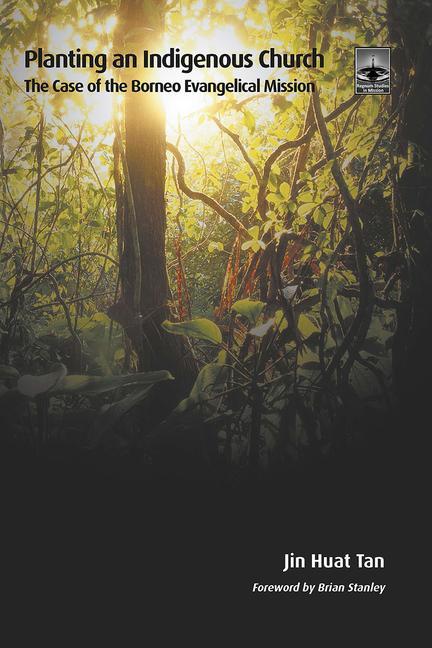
x=7 y=372
x=113 y=413
x=200 y=328
x=242 y=176
x=77 y=384
x=305 y=198
x=310 y=298
x=32 y=386
x=247 y=245
x=249 y=308
x=46 y=204
x=305 y=209
x=319 y=215
x=254 y=245
x=280 y=321
x=214 y=246
x=306 y=326
x=210 y=380
x=249 y=120
x=273 y=198
x=119 y=354
x=285 y=190
x=327 y=220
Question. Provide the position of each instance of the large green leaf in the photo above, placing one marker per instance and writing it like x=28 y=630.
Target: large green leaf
x=209 y=382
x=112 y=414
x=249 y=308
x=201 y=328
x=8 y=372
x=76 y=384
x=33 y=386
x=57 y=382
x=306 y=209
x=306 y=326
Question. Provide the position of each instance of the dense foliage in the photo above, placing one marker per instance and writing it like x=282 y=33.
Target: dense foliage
x=286 y=244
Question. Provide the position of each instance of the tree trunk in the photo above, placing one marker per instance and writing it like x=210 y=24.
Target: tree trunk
x=145 y=294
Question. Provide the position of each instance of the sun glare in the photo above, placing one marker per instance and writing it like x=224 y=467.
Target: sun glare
x=97 y=107
x=218 y=41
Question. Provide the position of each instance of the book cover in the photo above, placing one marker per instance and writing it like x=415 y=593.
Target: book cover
x=215 y=303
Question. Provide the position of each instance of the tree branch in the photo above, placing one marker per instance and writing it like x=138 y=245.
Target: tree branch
x=207 y=200
x=236 y=139
x=291 y=144
x=360 y=325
